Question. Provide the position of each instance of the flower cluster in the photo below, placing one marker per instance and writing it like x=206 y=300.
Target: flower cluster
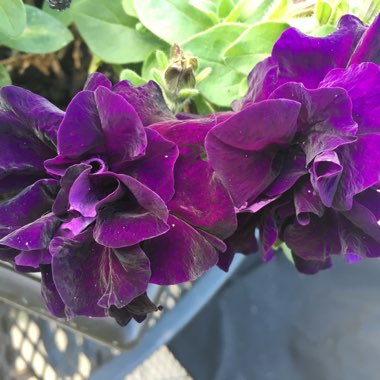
x=301 y=154
x=117 y=192
x=101 y=198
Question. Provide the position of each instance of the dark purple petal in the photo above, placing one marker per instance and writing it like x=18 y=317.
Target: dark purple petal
x=136 y=309
x=311 y=266
x=325 y=175
x=61 y=204
x=124 y=135
x=34 y=236
x=96 y=80
x=180 y=255
x=81 y=130
x=241 y=150
x=147 y=100
x=268 y=236
x=318 y=240
x=307 y=202
x=243 y=240
x=362 y=83
x=90 y=278
x=128 y=273
x=308 y=59
x=200 y=198
x=50 y=294
x=325 y=120
x=27 y=206
x=33 y=112
x=140 y=215
x=361 y=169
x=368 y=48
x=156 y=168
x=262 y=80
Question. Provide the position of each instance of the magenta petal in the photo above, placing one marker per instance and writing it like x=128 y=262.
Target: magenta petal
x=50 y=294
x=235 y=148
x=80 y=131
x=200 y=198
x=34 y=258
x=96 y=80
x=368 y=48
x=27 y=206
x=124 y=135
x=139 y=216
x=128 y=274
x=325 y=175
x=180 y=255
x=147 y=100
x=34 y=236
x=156 y=168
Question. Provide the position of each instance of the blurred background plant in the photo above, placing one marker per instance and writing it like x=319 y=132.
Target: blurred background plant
x=219 y=41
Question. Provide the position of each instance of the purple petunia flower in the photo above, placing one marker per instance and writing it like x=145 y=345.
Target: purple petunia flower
x=120 y=197
x=302 y=151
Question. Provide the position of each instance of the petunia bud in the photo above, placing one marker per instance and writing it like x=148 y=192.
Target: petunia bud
x=180 y=72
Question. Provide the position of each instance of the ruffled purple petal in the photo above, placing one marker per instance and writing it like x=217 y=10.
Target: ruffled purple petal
x=139 y=215
x=81 y=130
x=32 y=111
x=317 y=240
x=27 y=206
x=368 y=48
x=96 y=80
x=362 y=83
x=124 y=135
x=34 y=236
x=50 y=294
x=156 y=168
x=360 y=161
x=147 y=100
x=325 y=120
x=128 y=276
x=242 y=149
x=180 y=255
x=307 y=202
x=33 y=259
x=200 y=198
x=325 y=175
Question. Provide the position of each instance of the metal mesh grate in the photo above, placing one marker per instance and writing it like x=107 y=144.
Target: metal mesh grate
x=34 y=348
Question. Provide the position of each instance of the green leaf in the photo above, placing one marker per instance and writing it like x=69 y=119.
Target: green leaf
x=203 y=106
x=323 y=30
x=208 y=7
x=5 y=79
x=151 y=62
x=323 y=11
x=43 y=33
x=254 y=45
x=12 y=18
x=251 y=12
x=111 y=34
x=171 y=20
x=129 y=8
x=287 y=252
x=225 y=7
x=222 y=85
x=132 y=77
